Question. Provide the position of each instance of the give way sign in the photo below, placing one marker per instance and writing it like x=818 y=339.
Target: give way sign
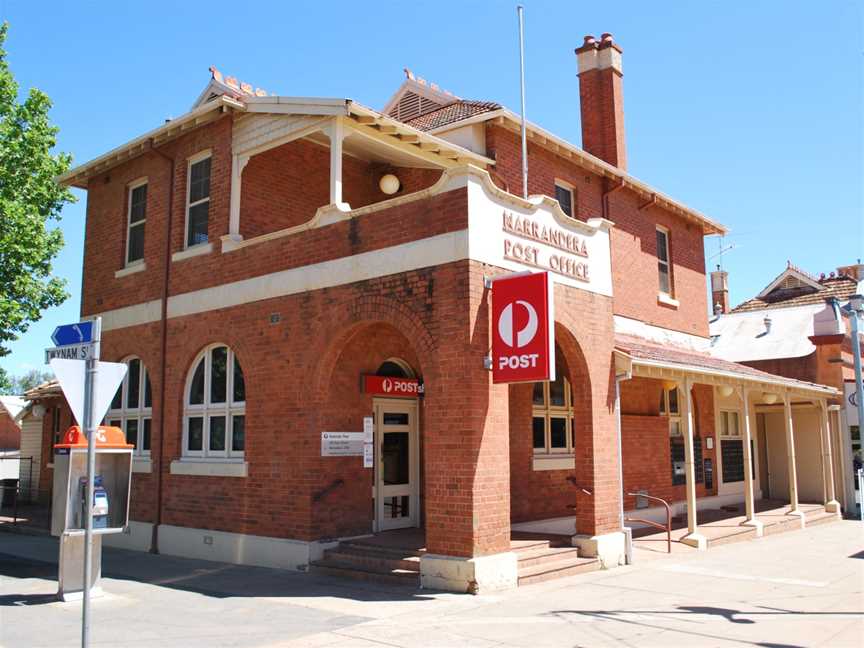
x=523 y=329
x=70 y=375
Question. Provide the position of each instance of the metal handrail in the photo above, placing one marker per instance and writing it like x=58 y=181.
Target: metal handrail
x=324 y=492
x=667 y=528
x=575 y=482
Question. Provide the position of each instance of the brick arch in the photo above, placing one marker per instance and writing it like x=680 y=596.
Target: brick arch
x=583 y=415
x=353 y=316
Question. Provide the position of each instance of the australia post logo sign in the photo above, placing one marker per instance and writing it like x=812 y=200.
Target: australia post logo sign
x=387 y=386
x=523 y=329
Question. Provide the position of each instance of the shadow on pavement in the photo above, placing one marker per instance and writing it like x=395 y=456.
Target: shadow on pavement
x=220 y=580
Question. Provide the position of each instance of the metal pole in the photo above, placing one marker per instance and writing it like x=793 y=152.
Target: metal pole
x=856 y=354
x=90 y=431
x=519 y=11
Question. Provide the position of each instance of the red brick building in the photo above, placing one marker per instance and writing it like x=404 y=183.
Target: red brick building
x=254 y=258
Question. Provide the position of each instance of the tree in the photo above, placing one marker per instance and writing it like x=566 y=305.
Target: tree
x=7 y=385
x=30 y=199
x=30 y=380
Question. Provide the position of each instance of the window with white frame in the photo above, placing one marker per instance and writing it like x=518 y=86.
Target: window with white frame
x=132 y=407
x=214 y=422
x=136 y=217
x=664 y=265
x=552 y=416
x=564 y=194
x=197 y=199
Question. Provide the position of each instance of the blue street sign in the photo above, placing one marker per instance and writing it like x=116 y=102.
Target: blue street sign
x=78 y=333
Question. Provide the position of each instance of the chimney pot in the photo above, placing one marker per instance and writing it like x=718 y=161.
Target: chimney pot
x=601 y=99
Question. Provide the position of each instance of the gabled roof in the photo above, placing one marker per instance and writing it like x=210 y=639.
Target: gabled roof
x=221 y=85
x=12 y=405
x=451 y=113
x=792 y=278
x=45 y=390
x=416 y=96
x=790 y=289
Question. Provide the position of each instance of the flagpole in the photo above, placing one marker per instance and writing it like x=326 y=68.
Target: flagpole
x=519 y=11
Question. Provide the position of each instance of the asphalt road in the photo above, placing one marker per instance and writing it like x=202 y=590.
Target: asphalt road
x=802 y=588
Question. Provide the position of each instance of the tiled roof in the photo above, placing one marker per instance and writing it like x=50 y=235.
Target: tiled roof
x=642 y=349
x=841 y=288
x=50 y=388
x=451 y=113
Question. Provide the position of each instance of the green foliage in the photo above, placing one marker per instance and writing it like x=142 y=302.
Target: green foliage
x=30 y=380
x=30 y=199
x=6 y=383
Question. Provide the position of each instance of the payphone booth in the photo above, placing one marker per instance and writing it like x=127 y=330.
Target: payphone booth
x=112 y=486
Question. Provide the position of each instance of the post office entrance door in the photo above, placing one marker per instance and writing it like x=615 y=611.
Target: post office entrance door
x=397 y=471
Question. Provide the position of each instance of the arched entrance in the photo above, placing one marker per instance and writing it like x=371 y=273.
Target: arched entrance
x=361 y=377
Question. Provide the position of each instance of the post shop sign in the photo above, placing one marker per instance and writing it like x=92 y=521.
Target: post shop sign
x=389 y=386
x=523 y=329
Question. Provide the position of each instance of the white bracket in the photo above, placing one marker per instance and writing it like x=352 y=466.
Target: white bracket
x=487 y=362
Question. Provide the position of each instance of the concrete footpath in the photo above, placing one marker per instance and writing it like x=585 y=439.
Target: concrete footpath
x=802 y=588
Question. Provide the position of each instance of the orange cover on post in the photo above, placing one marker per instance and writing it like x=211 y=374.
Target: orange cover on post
x=106 y=437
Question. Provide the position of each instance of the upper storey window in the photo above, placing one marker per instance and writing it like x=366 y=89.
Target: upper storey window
x=136 y=216
x=564 y=196
x=664 y=265
x=197 y=199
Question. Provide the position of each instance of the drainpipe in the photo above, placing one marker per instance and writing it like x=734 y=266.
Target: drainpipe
x=628 y=535
x=154 y=539
x=604 y=199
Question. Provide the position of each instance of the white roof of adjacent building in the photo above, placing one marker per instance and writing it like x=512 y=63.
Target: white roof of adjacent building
x=12 y=405
x=742 y=336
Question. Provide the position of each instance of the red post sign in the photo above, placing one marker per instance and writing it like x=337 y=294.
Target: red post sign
x=523 y=329
x=387 y=386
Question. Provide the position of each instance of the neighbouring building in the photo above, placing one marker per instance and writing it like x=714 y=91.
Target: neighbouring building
x=10 y=428
x=271 y=266
x=794 y=327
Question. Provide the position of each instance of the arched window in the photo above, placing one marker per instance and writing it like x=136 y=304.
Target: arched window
x=395 y=368
x=214 y=421
x=132 y=407
x=552 y=414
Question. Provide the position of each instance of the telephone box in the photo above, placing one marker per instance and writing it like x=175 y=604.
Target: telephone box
x=112 y=482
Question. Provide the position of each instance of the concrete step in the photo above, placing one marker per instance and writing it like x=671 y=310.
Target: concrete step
x=371 y=561
x=355 y=546
x=392 y=577
x=821 y=518
x=545 y=556
x=742 y=533
x=558 y=569
x=520 y=546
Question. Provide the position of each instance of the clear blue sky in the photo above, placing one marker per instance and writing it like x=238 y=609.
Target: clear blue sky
x=748 y=111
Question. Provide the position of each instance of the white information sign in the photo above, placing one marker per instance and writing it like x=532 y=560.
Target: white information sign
x=70 y=375
x=851 y=399
x=341 y=444
x=368 y=455
x=368 y=427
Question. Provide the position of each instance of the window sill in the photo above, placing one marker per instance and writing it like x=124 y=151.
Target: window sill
x=142 y=465
x=195 y=250
x=667 y=300
x=203 y=467
x=130 y=269
x=553 y=462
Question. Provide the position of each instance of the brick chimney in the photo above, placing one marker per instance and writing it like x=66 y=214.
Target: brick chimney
x=601 y=98
x=720 y=291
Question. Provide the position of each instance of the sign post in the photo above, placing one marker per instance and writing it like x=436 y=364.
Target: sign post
x=80 y=341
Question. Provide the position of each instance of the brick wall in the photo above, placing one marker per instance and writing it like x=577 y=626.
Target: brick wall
x=645 y=441
x=633 y=239
x=284 y=186
x=10 y=433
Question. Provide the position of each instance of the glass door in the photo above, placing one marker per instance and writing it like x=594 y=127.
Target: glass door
x=396 y=465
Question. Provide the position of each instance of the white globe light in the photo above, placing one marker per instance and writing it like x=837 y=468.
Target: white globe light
x=389 y=184
x=769 y=398
x=725 y=391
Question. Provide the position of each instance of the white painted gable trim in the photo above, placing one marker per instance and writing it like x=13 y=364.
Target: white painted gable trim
x=789 y=272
